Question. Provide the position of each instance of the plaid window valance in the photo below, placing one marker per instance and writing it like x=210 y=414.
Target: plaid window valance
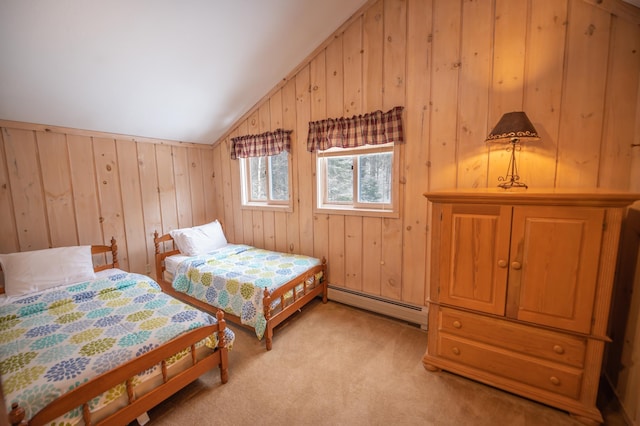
x=262 y=145
x=370 y=129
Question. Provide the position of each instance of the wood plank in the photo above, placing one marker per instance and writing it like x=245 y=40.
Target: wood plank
x=183 y=191
x=321 y=236
x=474 y=94
x=372 y=252
x=218 y=185
x=209 y=185
x=166 y=189
x=85 y=191
x=335 y=78
x=8 y=229
x=336 y=267
x=372 y=46
x=132 y=207
x=394 y=83
x=583 y=94
x=304 y=164
x=352 y=68
x=507 y=78
x=289 y=112
x=230 y=225
x=391 y=267
x=56 y=183
x=196 y=186
x=353 y=252
x=275 y=221
x=318 y=85
x=394 y=64
x=445 y=74
x=620 y=108
x=258 y=231
x=280 y=225
x=275 y=108
x=236 y=191
x=109 y=191
x=543 y=90
x=268 y=229
x=26 y=189
x=148 y=171
x=416 y=170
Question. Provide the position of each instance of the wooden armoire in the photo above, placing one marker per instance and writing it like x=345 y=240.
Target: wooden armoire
x=520 y=289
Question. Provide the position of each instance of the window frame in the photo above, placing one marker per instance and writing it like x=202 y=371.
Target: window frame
x=322 y=205
x=245 y=184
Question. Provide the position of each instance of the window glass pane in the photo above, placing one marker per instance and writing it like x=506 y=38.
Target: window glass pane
x=374 y=178
x=258 y=176
x=340 y=179
x=279 y=167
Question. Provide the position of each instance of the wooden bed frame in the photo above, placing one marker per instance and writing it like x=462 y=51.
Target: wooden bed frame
x=124 y=373
x=299 y=300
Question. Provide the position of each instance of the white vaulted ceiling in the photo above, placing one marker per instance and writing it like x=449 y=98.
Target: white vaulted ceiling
x=166 y=69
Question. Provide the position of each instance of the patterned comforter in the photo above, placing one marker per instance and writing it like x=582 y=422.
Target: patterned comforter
x=54 y=340
x=233 y=279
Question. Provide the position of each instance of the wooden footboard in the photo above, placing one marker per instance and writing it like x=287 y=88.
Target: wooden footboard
x=303 y=289
x=124 y=374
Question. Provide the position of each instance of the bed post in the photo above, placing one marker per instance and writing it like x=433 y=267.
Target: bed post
x=268 y=334
x=114 y=252
x=224 y=353
x=325 y=280
x=16 y=415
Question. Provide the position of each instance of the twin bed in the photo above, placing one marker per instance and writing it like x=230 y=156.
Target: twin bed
x=103 y=348
x=256 y=288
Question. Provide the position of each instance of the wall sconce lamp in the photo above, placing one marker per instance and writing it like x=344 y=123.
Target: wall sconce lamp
x=512 y=127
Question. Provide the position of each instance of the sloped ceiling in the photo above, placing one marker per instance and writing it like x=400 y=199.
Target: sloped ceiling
x=166 y=69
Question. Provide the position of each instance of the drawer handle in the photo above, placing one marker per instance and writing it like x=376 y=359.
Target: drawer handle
x=455 y=350
x=456 y=324
x=554 y=380
x=502 y=263
x=516 y=265
x=558 y=349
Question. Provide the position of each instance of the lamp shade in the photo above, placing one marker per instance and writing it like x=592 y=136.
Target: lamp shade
x=513 y=125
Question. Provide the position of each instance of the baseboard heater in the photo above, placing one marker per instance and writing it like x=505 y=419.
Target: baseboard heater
x=392 y=308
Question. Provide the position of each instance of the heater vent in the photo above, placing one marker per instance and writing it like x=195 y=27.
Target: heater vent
x=393 y=308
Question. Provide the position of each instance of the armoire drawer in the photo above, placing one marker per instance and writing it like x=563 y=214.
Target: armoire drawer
x=541 y=374
x=522 y=338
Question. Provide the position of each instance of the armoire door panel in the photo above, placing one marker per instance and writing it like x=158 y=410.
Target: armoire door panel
x=554 y=264
x=477 y=241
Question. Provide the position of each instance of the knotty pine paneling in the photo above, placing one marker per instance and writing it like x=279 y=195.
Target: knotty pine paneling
x=456 y=67
x=61 y=187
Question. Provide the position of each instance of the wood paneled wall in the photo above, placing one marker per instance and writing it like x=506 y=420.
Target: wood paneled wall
x=456 y=66
x=62 y=187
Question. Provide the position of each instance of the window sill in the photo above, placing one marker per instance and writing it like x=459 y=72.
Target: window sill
x=268 y=207
x=350 y=211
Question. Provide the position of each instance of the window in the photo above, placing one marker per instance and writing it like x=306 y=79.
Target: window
x=361 y=178
x=265 y=180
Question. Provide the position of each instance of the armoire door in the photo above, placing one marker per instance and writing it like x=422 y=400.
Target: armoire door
x=553 y=266
x=474 y=256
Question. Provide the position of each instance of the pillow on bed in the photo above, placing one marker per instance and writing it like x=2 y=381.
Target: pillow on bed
x=36 y=270
x=199 y=239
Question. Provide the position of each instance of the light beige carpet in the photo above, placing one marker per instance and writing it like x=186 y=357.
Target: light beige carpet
x=336 y=365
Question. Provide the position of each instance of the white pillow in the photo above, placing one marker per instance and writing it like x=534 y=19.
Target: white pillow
x=37 y=270
x=214 y=231
x=199 y=239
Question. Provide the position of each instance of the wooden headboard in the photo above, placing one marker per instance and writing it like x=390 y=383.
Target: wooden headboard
x=103 y=263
